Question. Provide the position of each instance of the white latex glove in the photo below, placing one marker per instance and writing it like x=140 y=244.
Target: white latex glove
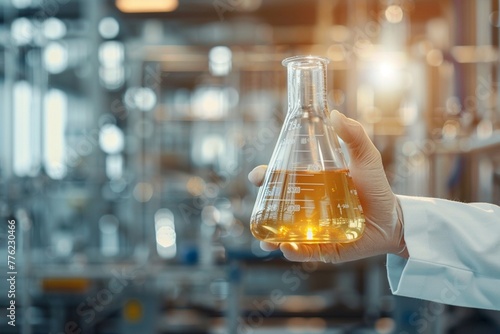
x=384 y=226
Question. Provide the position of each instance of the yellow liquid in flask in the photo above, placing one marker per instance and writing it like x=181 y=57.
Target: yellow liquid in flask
x=308 y=207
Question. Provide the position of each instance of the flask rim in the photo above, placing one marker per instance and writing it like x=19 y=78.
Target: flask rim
x=305 y=59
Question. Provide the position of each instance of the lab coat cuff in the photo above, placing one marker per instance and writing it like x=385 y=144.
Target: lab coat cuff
x=416 y=229
x=417 y=242
x=407 y=277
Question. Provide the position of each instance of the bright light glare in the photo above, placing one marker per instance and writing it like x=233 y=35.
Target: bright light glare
x=22 y=148
x=164 y=214
x=145 y=98
x=55 y=57
x=394 y=14
x=212 y=149
x=112 y=77
x=21 y=4
x=109 y=27
x=114 y=166
x=209 y=102
x=165 y=236
x=387 y=74
x=55 y=111
x=21 y=31
x=146 y=6
x=111 y=53
x=54 y=28
x=142 y=98
x=220 y=60
x=220 y=54
x=386 y=69
x=309 y=234
x=111 y=139
x=165 y=233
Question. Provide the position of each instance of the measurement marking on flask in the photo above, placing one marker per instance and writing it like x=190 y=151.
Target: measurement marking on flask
x=272 y=208
x=311 y=184
x=342 y=206
x=301 y=169
x=288 y=141
x=309 y=135
x=294 y=125
x=272 y=191
x=289 y=200
x=293 y=207
x=314 y=165
x=293 y=190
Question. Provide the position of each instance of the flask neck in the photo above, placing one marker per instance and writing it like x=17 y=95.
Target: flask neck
x=306 y=83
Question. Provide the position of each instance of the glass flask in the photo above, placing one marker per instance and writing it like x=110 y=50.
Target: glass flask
x=307 y=195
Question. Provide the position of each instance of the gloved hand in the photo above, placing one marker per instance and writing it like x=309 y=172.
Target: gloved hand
x=384 y=225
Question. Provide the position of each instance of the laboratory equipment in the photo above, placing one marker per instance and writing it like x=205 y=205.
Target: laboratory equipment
x=307 y=194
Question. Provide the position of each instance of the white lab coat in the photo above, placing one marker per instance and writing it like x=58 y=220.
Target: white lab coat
x=454 y=253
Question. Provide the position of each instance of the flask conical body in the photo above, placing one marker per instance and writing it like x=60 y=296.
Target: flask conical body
x=307 y=194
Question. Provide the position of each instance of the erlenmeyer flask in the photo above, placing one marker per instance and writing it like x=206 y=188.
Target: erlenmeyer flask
x=307 y=195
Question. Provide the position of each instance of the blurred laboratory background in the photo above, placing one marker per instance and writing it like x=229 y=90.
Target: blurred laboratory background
x=128 y=129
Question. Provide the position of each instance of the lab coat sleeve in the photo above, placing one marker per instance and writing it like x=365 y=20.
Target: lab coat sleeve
x=454 y=253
